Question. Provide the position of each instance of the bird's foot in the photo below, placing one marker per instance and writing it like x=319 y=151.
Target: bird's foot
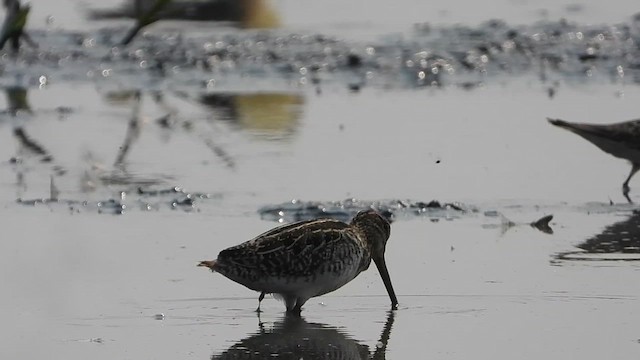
x=294 y=312
x=260 y=298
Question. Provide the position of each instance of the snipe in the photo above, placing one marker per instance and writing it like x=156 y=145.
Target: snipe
x=309 y=258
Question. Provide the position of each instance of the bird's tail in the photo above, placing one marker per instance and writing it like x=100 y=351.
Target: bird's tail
x=211 y=264
x=558 y=122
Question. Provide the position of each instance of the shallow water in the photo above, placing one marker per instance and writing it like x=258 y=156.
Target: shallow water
x=106 y=269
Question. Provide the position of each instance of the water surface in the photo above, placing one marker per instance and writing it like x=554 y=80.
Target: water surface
x=103 y=266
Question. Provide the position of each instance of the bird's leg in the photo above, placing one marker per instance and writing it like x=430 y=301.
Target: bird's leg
x=625 y=186
x=298 y=308
x=295 y=312
x=260 y=298
x=294 y=305
x=290 y=302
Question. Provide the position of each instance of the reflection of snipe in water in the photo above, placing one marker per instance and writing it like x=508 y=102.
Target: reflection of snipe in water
x=270 y=115
x=294 y=338
x=621 y=140
x=619 y=241
x=18 y=103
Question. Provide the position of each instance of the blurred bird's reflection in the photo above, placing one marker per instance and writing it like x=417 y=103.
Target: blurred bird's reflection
x=620 y=237
x=17 y=100
x=269 y=115
x=295 y=338
x=618 y=241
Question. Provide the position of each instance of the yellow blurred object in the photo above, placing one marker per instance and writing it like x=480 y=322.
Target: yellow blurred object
x=17 y=99
x=268 y=112
x=258 y=14
x=120 y=97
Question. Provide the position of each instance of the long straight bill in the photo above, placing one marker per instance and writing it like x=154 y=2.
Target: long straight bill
x=384 y=273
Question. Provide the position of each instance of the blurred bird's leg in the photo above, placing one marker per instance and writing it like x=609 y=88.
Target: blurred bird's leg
x=29 y=40
x=625 y=186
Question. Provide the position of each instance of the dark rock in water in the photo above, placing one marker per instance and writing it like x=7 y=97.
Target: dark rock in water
x=542 y=224
x=187 y=201
x=430 y=205
x=588 y=57
x=111 y=206
x=354 y=61
x=354 y=88
x=434 y=204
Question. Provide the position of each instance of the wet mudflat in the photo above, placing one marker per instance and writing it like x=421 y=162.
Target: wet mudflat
x=148 y=180
x=83 y=283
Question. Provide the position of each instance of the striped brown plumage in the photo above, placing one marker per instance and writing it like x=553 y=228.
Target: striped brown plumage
x=308 y=259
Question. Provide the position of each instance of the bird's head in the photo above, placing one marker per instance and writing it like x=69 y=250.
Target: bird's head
x=377 y=231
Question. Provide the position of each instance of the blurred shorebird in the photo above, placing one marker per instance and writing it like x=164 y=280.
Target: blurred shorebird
x=308 y=259
x=14 y=23
x=621 y=140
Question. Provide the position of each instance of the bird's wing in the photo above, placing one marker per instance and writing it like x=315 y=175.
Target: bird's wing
x=294 y=249
x=627 y=132
x=317 y=224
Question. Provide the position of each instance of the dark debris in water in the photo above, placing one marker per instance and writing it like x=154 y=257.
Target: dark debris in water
x=542 y=224
x=430 y=56
x=174 y=198
x=505 y=224
x=298 y=210
x=392 y=210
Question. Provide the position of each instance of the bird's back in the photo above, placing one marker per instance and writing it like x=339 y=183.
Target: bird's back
x=619 y=139
x=295 y=256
